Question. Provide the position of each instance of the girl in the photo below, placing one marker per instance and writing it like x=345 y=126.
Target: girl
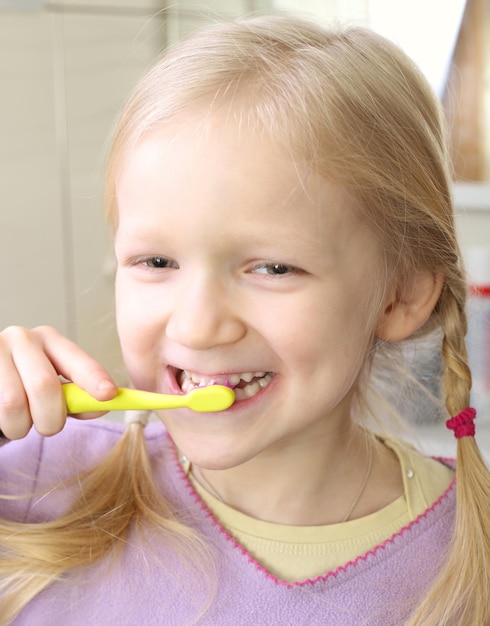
x=280 y=199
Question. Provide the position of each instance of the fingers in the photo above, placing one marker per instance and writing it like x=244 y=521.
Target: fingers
x=76 y=365
x=30 y=390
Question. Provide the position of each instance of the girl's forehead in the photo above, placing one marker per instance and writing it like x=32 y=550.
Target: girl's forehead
x=217 y=145
x=246 y=187
x=225 y=166
x=221 y=142
x=216 y=148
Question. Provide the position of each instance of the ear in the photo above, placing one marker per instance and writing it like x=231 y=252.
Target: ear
x=408 y=307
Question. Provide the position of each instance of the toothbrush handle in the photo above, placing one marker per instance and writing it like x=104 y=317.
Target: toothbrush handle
x=79 y=401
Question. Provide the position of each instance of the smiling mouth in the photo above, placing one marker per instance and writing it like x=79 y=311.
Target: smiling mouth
x=245 y=385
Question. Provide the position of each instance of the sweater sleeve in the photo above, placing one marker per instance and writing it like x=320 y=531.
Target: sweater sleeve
x=19 y=468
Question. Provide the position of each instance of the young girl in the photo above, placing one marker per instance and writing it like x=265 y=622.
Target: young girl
x=281 y=206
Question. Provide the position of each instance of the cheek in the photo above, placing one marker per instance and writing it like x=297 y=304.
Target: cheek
x=139 y=351
x=135 y=324
x=336 y=335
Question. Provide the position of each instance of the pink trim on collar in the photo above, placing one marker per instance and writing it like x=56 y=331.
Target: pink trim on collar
x=323 y=577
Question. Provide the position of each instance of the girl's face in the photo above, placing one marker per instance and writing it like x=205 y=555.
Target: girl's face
x=238 y=265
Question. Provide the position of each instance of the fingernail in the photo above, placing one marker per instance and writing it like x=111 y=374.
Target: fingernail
x=106 y=385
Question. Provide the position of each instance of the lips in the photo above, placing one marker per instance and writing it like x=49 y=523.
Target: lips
x=245 y=384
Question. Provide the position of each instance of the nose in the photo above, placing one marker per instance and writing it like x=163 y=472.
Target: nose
x=203 y=315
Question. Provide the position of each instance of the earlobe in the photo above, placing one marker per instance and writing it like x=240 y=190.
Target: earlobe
x=408 y=308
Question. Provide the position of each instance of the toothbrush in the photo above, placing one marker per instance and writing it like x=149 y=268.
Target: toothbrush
x=201 y=399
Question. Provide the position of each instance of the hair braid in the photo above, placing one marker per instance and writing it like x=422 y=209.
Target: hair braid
x=452 y=315
x=459 y=595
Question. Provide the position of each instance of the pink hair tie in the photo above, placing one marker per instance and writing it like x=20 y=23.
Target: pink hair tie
x=463 y=423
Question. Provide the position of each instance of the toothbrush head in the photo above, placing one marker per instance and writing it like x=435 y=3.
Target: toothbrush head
x=211 y=398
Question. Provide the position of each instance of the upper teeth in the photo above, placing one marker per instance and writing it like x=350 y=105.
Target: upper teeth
x=232 y=379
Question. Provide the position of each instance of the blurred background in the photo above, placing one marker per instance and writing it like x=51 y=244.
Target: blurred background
x=67 y=66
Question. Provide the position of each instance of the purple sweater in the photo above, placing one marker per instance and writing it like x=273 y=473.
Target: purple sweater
x=151 y=586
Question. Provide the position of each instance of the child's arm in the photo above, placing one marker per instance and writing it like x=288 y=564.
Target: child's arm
x=31 y=362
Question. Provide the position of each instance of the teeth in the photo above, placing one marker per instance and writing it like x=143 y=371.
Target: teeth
x=234 y=380
x=190 y=381
x=251 y=390
x=186 y=385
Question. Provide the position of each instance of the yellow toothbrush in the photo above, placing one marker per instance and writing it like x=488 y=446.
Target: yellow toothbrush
x=201 y=399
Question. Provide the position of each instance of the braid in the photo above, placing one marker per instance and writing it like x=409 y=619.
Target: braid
x=452 y=315
x=459 y=595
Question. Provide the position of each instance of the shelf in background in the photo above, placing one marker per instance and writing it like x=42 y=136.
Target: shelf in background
x=472 y=196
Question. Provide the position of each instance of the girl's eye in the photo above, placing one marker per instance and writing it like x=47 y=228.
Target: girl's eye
x=158 y=262
x=274 y=269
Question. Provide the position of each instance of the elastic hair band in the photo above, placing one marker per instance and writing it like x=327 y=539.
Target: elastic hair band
x=463 y=423
x=137 y=417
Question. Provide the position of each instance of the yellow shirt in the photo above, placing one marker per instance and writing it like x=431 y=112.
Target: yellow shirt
x=295 y=553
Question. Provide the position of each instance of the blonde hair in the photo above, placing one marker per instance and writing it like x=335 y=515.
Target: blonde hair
x=355 y=107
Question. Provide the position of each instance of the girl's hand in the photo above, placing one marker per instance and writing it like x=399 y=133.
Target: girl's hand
x=31 y=362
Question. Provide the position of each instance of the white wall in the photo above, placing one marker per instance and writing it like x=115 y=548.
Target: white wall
x=328 y=10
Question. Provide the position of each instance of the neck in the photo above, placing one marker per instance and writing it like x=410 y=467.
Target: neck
x=321 y=485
